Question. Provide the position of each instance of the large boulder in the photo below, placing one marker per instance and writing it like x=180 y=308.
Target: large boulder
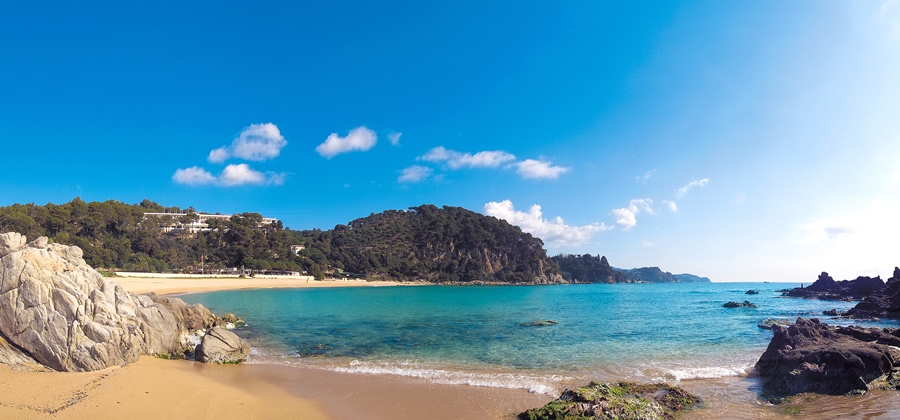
x=58 y=310
x=222 y=346
x=810 y=356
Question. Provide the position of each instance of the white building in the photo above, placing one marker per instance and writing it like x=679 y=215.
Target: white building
x=200 y=222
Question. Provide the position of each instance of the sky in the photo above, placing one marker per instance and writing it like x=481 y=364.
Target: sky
x=743 y=141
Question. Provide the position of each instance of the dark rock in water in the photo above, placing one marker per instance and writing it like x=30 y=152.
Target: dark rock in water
x=883 y=304
x=832 y=312
x=623 y=400
x=751 y=292
x=539 y=323
x=769 y=323
x=826 y=288
x=222 y=346
x=810 y=356
x=744 y=304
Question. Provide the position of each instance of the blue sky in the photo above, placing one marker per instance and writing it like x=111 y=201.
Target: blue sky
x=744 y=141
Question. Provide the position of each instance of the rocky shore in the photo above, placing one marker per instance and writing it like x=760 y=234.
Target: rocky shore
x=813 y=357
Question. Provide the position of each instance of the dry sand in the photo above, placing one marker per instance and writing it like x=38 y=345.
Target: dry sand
x=155 y=388
x=170 y=286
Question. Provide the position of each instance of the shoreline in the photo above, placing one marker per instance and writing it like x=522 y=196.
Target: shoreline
x=182 y=285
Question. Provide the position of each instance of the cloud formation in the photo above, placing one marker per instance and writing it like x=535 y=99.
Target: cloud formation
x=458 y=160
x=258 y=142
x=394 y=138
x=414 y=173
x=553 y=232
x=626 y=217
x=647 y=175
x=231 y=176
x=540 y=169
x=691 y=185
x=673 y=207
x=360 y=139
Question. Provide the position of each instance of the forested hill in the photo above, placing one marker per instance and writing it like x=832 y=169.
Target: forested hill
x=596 y=269
x=449 y=244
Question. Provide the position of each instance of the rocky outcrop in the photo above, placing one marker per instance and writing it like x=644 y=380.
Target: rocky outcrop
x=810 y=356
x=65 y=315
x=222 y=346
x=623 y=400
x=882 y=304
x=826 y=288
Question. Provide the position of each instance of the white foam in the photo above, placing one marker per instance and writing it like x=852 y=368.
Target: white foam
x=534 y=384
x=707 y=372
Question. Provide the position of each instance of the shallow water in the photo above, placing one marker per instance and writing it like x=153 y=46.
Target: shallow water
x=472 y=335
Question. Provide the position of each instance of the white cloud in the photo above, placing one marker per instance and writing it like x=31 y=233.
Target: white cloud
x=231 y=176
x=360 y=139
x=415 y=173
x=258 y=142
x=394 y=137
x=647 y=175
x=626 y=217
x=540 y=169
x=194 y=175
x=888 y=5
x=553 y=232
x=649 y=244
x=673 y=207
x=684 y=190
x=457 y=160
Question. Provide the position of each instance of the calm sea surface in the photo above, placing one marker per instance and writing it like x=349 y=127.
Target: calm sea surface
x=472 y=335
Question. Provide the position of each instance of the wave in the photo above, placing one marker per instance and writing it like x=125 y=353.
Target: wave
x=532 y=383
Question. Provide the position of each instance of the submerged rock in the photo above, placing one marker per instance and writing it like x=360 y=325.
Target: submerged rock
x=543 y=323
x=744 y=304
x=623 y=400
x=222 y=346
x=769 y=323
x=59 y=311
x=832 y=312
x=751 y=292
x=810 y=356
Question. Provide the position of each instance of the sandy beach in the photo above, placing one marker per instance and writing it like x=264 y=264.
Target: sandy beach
x=175 y=285
x=156 y=388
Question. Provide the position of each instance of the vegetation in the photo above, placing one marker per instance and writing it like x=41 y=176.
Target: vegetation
x=449 y=244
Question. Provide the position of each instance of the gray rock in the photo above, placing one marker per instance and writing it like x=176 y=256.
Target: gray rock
x=222 y=346
x=62 y=313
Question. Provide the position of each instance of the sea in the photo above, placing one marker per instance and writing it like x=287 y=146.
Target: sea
x=494 y=336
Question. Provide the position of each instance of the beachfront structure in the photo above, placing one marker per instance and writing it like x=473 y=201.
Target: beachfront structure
x=173 y=222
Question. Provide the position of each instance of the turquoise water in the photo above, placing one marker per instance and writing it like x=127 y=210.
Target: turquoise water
x=472 y=335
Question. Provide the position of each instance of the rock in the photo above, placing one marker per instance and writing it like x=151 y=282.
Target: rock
x=832 y=312
x=744 y=304
x=751 y=292
x=810 y=356
x=882 y=304
x=825 y=288
x=222 y=346
x=769 y=323
x=539 y=323
x=623 y=400
x=62 y=313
